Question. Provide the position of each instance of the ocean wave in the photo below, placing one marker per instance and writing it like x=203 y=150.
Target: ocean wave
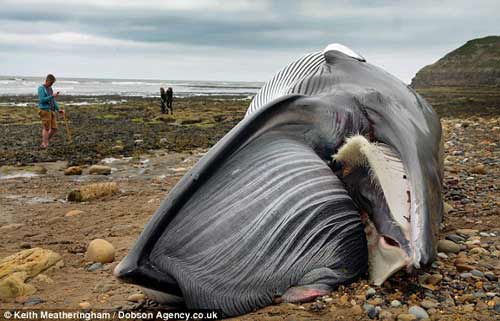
x=128 y=83
x=68 y=82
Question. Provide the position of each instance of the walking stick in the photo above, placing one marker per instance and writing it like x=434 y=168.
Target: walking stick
x=68 y=131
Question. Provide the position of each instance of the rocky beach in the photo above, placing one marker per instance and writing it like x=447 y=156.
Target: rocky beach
x=70 y=213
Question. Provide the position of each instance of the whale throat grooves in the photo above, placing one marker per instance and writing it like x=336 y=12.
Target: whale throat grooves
x=272 y=216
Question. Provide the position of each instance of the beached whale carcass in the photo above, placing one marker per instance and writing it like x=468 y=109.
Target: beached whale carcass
x=336 y=164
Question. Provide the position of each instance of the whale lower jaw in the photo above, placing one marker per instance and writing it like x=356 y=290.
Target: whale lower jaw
x=391 y=177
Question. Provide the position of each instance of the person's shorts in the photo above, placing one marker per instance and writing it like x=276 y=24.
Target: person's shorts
x=49 y=119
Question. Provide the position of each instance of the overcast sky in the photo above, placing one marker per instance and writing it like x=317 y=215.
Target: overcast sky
x=230 y=39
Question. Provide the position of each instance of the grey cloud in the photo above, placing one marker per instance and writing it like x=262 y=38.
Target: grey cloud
x=287 y=27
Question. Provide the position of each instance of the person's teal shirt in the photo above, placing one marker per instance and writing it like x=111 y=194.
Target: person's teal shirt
x=44 y=99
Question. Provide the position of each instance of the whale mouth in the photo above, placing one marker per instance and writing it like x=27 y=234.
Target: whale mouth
x=378 y=182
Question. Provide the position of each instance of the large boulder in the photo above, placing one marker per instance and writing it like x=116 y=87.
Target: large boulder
x=18 y=268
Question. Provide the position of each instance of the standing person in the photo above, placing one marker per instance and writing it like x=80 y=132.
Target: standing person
x=163 y=99
x=47 y=109
x=170 y=99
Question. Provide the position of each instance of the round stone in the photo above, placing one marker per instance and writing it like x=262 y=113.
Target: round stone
x=101 y=251
x=418 y=312
x=448 y=246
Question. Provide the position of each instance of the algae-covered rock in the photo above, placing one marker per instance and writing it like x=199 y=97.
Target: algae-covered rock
x=93 y=191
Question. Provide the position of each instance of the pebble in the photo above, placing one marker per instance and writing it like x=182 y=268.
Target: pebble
x=448 y=246
x=21 y=299
x=99 y=170
x=464 y=267
x=429 y=304
x=468 y=308
x=33 y=301
x=484 y=234
x=370 y=292
x=385 y=315
x=418 y=312
x=95 y=267
x=406 y=317
x=497 y=308
x=467 y=232
x=455 y=238
x=477 y=273
x=101 y=251
x=478 y=169
x=137 y=297
x=102 y=287
x=84 y=305
x=478 y=251
x=434 y=279
x=73 y=213
x=73 y=170
x=370 y=310
x=357 y=310
x=466 y=275
x=442 y=255
x=25 y=246
x=491 y=276
x=395 y=304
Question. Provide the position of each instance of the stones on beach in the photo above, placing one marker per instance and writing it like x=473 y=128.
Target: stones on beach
x=93 y=191
x=99 y=170
x=136 y=297
x=33 y=301
x=73 y=213
x=100 y=251
x=73 y=170
x=455 y=238
x=434 y=279
x=429 y=304
x=385 y=315
x=418 y=312
x=117 y=148
x=370 y=292
x=478 y=251
x=17 y=269
x=447 y=208
x=370 y=310
x=448 y=246
x=491 y=276
x=478 y=169
x=468 y=232
x=396 y=303
x=95 y=266
x=406 y=317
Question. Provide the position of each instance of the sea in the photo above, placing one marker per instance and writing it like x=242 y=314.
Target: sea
x=23 y=86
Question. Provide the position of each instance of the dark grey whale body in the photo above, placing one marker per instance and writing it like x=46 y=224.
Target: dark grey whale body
x=263 y=215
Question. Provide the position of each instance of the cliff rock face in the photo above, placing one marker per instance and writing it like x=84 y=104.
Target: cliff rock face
x=477 y=63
